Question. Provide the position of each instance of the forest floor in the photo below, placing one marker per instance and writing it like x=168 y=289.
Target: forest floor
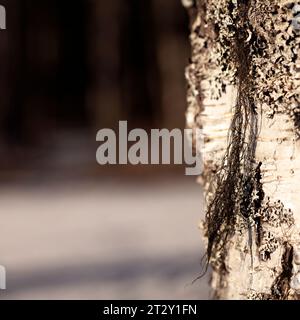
x=113 y=239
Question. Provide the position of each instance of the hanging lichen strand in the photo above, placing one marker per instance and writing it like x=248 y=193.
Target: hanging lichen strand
x=244 y=86
x=235 y=179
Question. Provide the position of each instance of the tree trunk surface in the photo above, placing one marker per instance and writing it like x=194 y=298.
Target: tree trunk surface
x=244 y=93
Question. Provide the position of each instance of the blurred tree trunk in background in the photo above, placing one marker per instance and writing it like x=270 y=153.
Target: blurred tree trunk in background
x=103 y=45
x=135 y=51
x=123 y=64
x=172 y=52
x=71 y=69
x=244 y=92
x=45 y=59
x=90 y=63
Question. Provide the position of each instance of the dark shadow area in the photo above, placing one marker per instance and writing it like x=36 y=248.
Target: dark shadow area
x=70 y=69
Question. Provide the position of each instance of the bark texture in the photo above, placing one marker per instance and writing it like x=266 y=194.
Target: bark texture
x=244 y=93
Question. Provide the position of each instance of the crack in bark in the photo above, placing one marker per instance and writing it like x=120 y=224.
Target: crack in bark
x=281 y=286
x=280 y=289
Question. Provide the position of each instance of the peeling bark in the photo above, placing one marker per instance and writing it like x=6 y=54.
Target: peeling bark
x=244 y=93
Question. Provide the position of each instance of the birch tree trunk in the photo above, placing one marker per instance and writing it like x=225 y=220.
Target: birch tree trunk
x=244 y=86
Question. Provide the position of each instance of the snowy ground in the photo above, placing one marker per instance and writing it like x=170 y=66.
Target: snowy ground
x=109 y=240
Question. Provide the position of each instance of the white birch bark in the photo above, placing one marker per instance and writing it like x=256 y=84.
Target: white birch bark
x=245 y=69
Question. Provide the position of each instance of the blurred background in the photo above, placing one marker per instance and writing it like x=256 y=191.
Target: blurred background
x=71 y=229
